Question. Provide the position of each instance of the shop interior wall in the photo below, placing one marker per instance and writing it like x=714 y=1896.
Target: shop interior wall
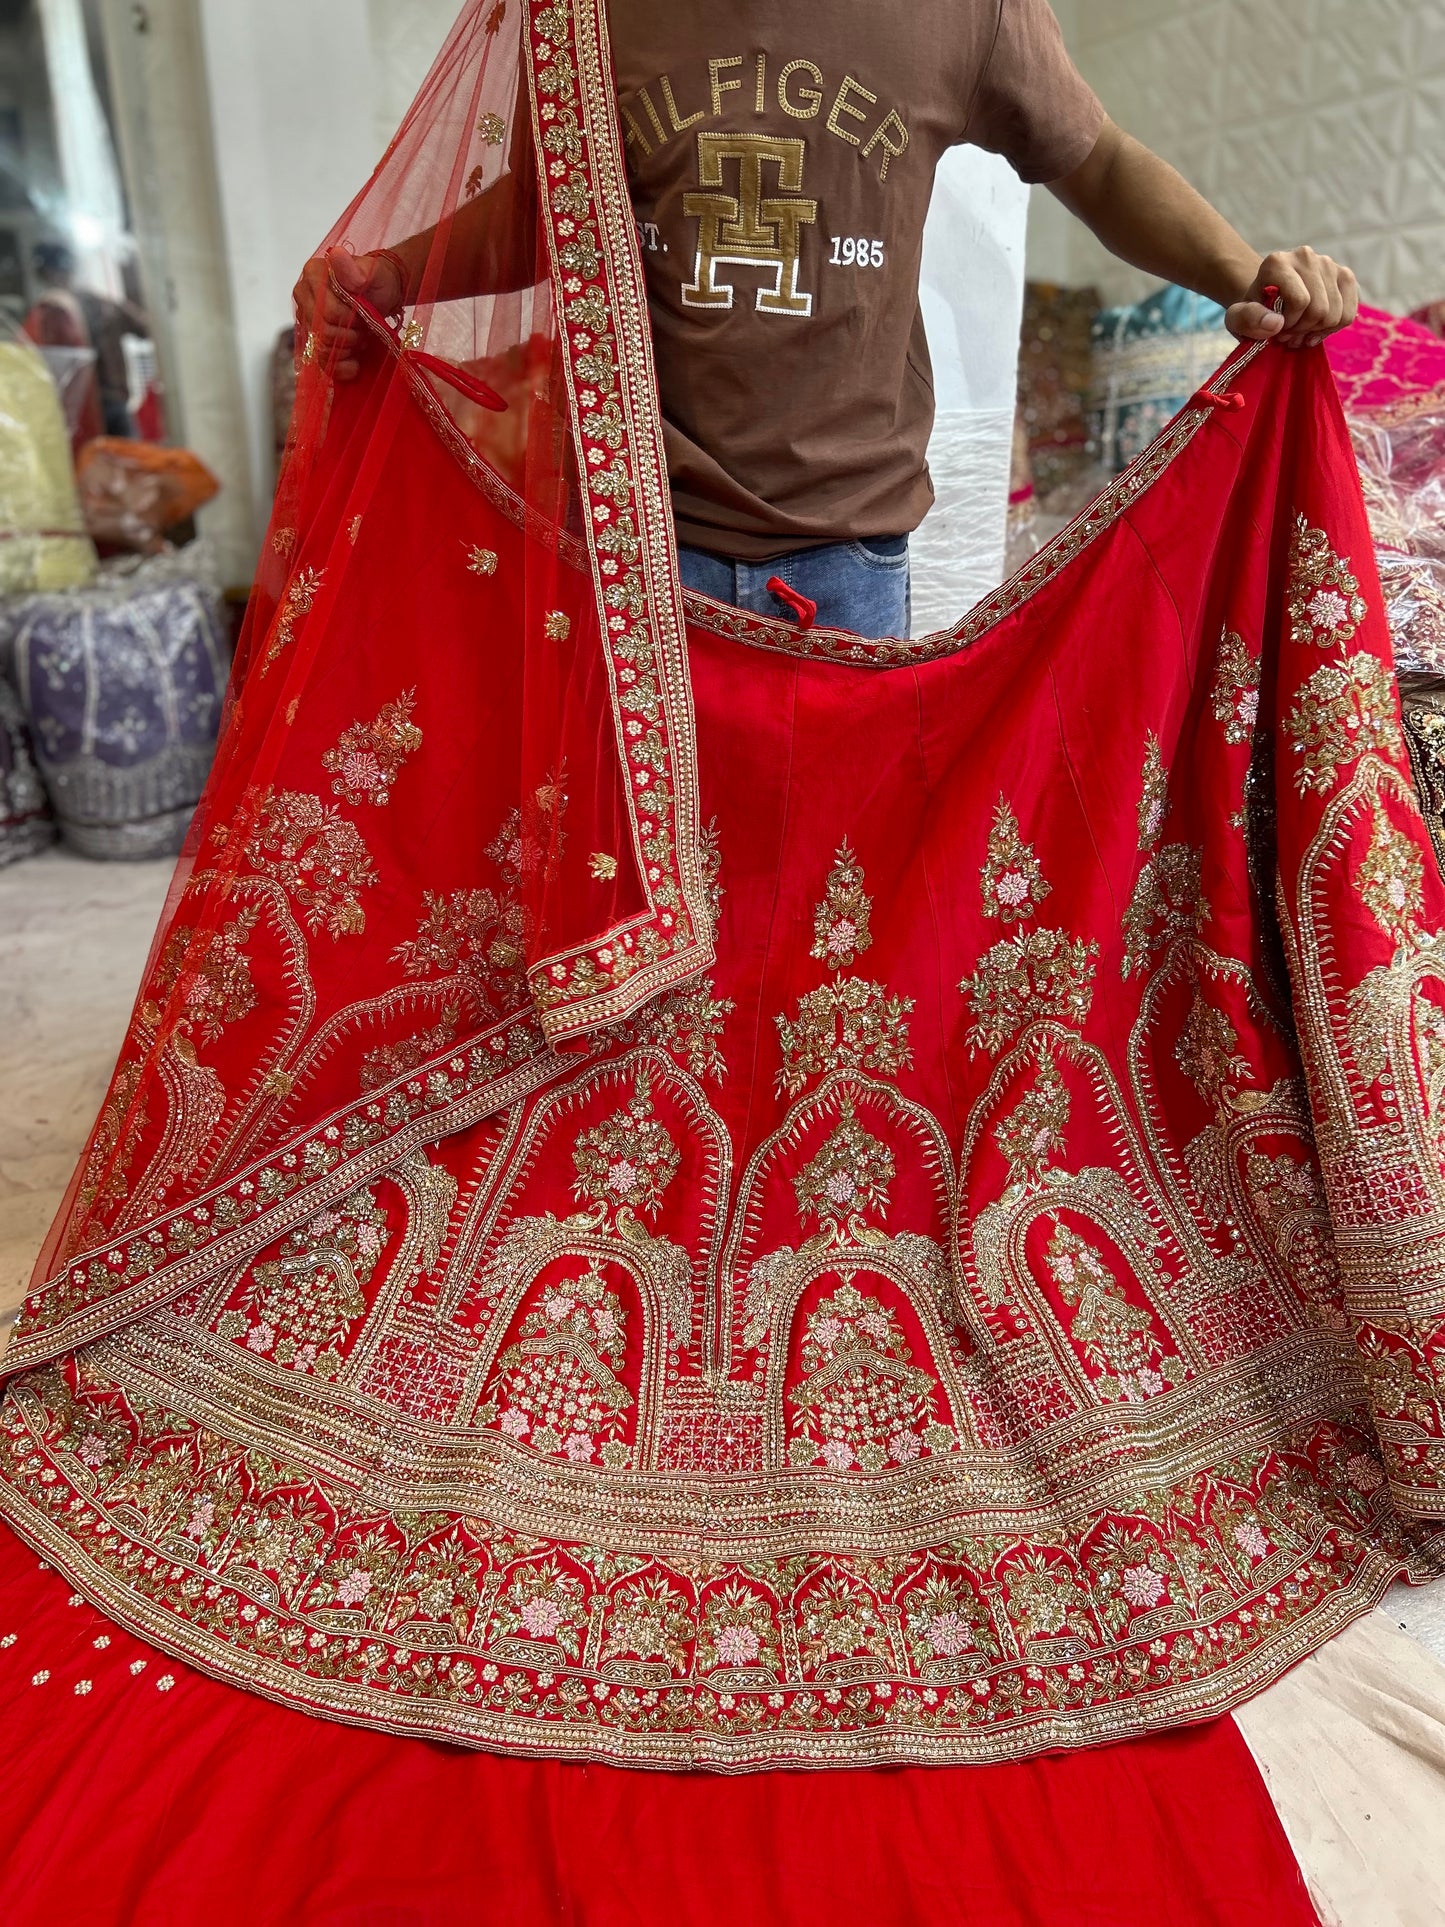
x=1303 y=120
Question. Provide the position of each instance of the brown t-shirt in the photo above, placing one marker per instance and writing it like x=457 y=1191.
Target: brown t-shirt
x=782 y=160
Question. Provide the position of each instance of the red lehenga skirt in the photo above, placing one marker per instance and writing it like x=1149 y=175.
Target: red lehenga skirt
x=684 y=1193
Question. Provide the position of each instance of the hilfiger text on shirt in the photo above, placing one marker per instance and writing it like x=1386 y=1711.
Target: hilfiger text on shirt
x=749 y=201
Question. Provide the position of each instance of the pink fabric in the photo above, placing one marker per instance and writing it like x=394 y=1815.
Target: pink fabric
x=1382 y=362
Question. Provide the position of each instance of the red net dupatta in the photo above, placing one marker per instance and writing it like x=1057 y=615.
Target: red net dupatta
x=453 y=827
x=736 y=1195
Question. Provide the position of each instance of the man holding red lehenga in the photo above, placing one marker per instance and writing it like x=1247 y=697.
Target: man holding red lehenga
x=780 y=183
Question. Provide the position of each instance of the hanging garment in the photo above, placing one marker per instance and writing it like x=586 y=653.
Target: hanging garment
x=685 y=1190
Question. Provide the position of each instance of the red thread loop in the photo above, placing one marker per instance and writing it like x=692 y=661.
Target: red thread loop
x=1226 y=403
x=802 y=606
x=458 y=378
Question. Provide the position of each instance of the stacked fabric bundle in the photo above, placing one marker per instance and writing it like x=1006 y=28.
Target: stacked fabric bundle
x=26 y=824
x=121 y=684
x=43 y=543
x=1148 y=359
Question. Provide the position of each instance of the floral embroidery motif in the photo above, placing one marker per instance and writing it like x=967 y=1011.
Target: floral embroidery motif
x=477 y=937
x=1013 y=880
x=492 y=129
x=1117 y=1337
x=860 y=1401
x=1391 y=879
x=601 y=867
x=317 y=857
x=1235 y=695
x=1035 y=975
x=557 y=627
x=841 y=928
x=630 y=1160
x=1206 y=1050
x=206 y=988
x=1325 y=604
x=482 y=561
x=369 y=757
x=1343 y=711
x=850 y=1023
x=300 y=1307
x=851 y=1174
x=1032 y=974
x=388 y=1062
x=1031 y=1137
x=298 y=601
x=1154 y=798
x=1167 y=901
x=557 y=1388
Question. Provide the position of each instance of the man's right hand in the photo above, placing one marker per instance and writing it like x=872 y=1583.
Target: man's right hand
x=323 y=317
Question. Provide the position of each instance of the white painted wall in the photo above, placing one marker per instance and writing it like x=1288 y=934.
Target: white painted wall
x=158 y=86
x=1302 y=120
x=291 y=86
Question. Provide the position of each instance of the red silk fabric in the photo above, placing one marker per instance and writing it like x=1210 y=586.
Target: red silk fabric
x=993 y=1311
x=124 y=1805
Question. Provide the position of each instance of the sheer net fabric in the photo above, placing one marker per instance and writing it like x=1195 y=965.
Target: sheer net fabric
x=682 y=1192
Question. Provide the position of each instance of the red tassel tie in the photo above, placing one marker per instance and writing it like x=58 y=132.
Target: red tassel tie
x=1226 y=403
x=802 y=606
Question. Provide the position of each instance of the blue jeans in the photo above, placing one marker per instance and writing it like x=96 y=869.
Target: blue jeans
x=860 y=586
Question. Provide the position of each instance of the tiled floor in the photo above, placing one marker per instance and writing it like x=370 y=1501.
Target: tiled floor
x=73 y=939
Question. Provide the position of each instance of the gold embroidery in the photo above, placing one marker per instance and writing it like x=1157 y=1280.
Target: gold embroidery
x=1345 y=709
x=317 y=857
x=860 y=1400
x=206 y=988
x=369 y=757
x=1154 y=800
x=752 y=227
x=1391 y=879
x=1235 y=695
x=557 y=1388
x=1031 y=1137
x=601 y=866
x=1206 y=1052
x=629 y=1161
x=476 y=937
x=851 y=1174
x=1013 y=880
x=298 y=601
x=841 y=922
x=1117 y=1337
x=1168 y=902
x=482 y=561
x=557 y=627
x=1037 y=974
x=300 y=1307
x=492 y=129
x=283 y=541
x=849 y=1024
x=1325 y=604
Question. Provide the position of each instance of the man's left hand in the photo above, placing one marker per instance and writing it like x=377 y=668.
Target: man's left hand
x=1319 y=297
